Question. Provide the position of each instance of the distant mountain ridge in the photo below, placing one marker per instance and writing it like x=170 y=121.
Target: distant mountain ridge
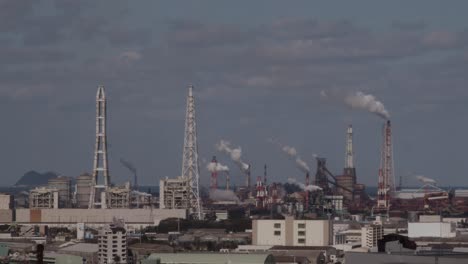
x=34 y=178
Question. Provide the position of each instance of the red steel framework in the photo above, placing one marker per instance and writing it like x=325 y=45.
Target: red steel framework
x=386 y=170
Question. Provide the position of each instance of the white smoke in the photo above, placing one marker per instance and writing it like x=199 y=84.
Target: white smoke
x=235 y=153
x=302 y=165
x=292 y=153
x=368 y=102
x=216 y=167
x=424 y=179
x=303 y=186
x=223 y=195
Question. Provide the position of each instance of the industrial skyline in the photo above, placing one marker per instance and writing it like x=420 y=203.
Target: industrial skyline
x=257 y=76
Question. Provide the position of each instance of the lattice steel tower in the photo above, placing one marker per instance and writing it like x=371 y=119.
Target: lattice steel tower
x=100 y=168
x=190 y=170
x=386 y=176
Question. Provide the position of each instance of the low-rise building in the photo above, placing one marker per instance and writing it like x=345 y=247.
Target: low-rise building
x=431 y=226
x=432 y=229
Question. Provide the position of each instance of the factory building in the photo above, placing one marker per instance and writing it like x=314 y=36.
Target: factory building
x=96 y=217
x=118 y=197
x=63 y=186
x=6 y=206
x=183 y=191
x=370 y=234
x=174 y=193
x=41 y=198
x=291 y=232
x=6 y=201
x=83 y=190
x=112 y=241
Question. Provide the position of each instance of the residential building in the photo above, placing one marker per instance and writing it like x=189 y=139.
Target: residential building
x=292 y=232
x=112 y=242
x=370 y=234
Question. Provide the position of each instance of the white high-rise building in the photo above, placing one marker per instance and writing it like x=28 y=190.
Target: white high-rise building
x=370 y=235
x=112 y=242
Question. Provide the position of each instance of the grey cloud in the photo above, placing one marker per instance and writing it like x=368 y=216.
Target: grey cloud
x=409 y=25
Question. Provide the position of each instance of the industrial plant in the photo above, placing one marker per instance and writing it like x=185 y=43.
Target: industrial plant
x=323 y=217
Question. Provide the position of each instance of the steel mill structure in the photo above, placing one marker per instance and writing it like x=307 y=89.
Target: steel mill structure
x=100 y=168
x=386 y=186
x=183 y=192
x=348 y=179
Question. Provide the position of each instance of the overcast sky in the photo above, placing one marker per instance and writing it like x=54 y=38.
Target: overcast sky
x=258 y=68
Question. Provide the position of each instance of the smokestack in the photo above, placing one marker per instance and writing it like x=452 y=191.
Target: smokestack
x=349 y=169
x=247 y=175
x=228 y=181
x=386 y=170
x=214 y=174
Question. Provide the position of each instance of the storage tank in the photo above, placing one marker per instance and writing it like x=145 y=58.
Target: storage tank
x=63 y=185
x=83 y=190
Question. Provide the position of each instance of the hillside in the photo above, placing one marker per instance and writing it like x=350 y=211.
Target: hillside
x=34 y=178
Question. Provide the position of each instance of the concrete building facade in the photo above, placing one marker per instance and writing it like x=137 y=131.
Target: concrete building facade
x=370 y=234
x=112 y=241
x=6 y=201
x=432 y=229
x=96 y=217
x=432 y=226
x=174 y=193
x=291 y=232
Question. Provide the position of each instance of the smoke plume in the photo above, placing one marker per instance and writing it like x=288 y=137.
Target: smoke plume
x=426 y=180
x=216 y=167
x=235 y=154
x=302 y=165
x=292 y=153
x=367 y=102
x=223 y=195
x=303 y=186
x=128 y=165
